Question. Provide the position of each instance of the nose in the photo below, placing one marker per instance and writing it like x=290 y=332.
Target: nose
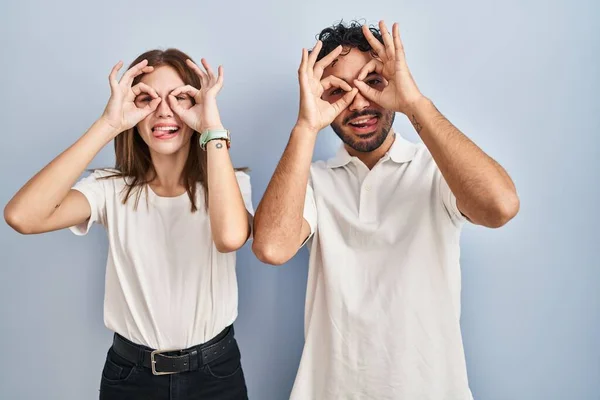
x=359 y=103
x=164 y=110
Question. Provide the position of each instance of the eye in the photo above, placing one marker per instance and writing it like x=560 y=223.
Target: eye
x=181 y=98
x=335 y=92
x=374 y=82
x=144 y=99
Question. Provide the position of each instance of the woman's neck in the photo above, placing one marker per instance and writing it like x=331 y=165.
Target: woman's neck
x=168 y=181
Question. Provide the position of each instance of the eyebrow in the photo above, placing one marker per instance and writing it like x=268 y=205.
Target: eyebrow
x=351 y=81
x=168 y=93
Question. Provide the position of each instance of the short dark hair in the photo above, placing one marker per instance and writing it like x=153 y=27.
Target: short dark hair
x=349 y=36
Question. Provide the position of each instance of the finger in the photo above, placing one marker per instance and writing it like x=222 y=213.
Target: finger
x=187 y=89
x=208 y=69
x=333 y=81
x=112 y=78
x=345 y=101
x=143 y=88
x=134 y=71
x=372 y=66
x=141 y=71
x=325 y=61
x=148 y=109
x=312 y=58
x=375 y=44
x=302 y=69
x=387 y=40
x=153 y=104
x=368 y=91
x=175 y=106
x=221 y=76
x=399 y=47
x=197 y=70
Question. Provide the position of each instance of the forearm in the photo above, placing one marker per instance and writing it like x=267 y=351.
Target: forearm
x=279 y=217
x=228 y=215
x=484 y=191
x=42 y=194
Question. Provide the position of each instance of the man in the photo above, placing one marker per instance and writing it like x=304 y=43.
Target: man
x=383 y=217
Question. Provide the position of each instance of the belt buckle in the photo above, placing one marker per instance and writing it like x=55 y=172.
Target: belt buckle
x=153 y=362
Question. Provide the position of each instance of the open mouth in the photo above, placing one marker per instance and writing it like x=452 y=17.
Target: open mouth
x=364 y=124
x=164 y=132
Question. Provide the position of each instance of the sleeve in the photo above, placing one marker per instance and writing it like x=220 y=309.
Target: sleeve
x=243 y=180
x=449 y=201
x=310 y=211
x=93 y=188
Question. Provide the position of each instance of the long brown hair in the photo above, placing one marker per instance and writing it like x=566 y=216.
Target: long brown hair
x=133 y=159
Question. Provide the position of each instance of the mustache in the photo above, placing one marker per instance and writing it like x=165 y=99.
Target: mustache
x=362 y=113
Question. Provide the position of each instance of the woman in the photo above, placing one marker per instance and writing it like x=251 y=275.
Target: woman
x=175 y=211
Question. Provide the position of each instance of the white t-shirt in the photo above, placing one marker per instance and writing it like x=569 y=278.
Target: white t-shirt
x=383 y=297
x=167 y=286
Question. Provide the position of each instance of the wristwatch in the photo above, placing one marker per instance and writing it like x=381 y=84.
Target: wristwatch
x=212 y=134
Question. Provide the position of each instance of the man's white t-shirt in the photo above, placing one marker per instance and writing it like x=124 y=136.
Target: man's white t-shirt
x=383 y=296
x=167 y=286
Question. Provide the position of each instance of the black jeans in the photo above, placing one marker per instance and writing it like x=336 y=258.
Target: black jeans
x=221 y=379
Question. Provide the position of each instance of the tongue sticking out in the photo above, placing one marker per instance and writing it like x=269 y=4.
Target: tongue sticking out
x=164 y=133
x=366 y=124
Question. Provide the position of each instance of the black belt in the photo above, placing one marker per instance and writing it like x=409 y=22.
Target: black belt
x=164 y=362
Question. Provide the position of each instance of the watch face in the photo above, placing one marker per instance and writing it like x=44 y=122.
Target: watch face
x=208 y=135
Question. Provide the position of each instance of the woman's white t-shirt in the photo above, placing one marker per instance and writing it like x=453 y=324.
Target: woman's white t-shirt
x=167 y=286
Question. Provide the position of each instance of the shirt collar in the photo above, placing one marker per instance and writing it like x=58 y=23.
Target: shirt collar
x=401 y=151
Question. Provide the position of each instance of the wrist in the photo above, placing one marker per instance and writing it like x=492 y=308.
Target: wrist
x=213 y=135
x=417 y=104
x=305 y=129
x=210 y=125
x=105 y=128
x=305 y=137
x=217 y=144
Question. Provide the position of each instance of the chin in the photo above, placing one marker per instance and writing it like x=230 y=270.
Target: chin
x=169 y=146
x=366 y=145
x=166 y=148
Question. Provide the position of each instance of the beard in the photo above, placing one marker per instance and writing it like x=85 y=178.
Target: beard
x=367 y=143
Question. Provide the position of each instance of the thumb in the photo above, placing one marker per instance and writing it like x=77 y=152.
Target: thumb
x=367 y=91
x=345 y=101
x=151 y=107
x=177 y=109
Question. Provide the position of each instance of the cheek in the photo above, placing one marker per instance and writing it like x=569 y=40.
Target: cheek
x=340 y=119
x=187 y=132
x=143 y=127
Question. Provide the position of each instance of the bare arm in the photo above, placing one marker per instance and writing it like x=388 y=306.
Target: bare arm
x=228 y=216
x=229 y=220
x=484 y=191
x=46 y=202
x=279 y=225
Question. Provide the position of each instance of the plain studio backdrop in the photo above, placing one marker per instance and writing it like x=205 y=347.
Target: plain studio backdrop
x=518 y=77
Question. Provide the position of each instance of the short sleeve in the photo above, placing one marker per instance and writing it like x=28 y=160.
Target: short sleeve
x=449 y=201
x=243 y=180
x=93 y=188
x=310 y=211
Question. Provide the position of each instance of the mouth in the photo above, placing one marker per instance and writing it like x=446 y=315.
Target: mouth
x=165 y=132
x=364 y=125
